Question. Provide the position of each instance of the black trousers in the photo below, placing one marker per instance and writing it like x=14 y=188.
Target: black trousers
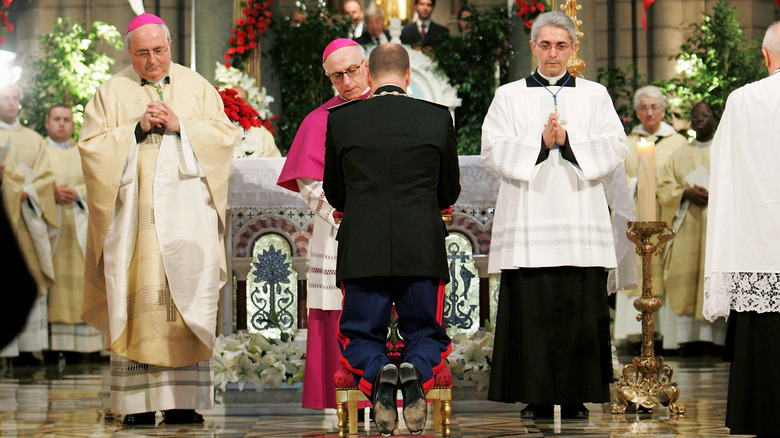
x=754 y=384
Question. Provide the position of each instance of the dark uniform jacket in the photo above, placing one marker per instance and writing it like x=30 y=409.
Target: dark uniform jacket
x=391 y=165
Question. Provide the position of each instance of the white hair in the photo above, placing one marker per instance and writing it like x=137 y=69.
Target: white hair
x=357 y=47
x=652 y=92
x=772 y=39
x=554 y=18
x=372 y=9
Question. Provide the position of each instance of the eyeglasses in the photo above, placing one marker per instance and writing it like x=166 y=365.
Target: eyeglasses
x=704 y=116
x=338 y=76
x=546 y=46
x=158 y=52
x=654 y=107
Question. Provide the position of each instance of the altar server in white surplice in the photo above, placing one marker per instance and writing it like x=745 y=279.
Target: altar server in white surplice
x=742 y=262
x=558 y=147
x=156 y=148
x=28 y=197
x=67 y=332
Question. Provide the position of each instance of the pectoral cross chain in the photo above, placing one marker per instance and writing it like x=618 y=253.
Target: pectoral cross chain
x=555 y=98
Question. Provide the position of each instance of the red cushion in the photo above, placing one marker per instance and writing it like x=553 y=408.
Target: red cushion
x=443 y=379
x=344 y=380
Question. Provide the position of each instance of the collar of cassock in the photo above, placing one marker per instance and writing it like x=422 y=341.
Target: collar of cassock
x=567 y=80
x=165 y=80
x=388 y=89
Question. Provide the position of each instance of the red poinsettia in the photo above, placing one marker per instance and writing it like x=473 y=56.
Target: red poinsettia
x=528 y=10
x=248 y=30
x=5 y=25
x=238 y=111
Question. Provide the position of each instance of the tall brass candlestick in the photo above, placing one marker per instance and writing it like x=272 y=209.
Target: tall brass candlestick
x=648 y=381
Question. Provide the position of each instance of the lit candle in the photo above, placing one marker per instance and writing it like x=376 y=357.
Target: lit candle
x=645 y=152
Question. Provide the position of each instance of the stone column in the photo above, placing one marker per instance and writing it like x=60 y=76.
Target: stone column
x=213 y=23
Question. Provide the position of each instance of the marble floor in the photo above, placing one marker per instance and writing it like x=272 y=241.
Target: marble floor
x=70 y=400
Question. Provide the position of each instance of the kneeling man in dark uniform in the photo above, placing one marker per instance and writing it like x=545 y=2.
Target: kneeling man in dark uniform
x=391 y=165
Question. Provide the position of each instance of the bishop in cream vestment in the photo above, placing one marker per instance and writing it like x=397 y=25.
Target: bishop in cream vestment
x=156 y=149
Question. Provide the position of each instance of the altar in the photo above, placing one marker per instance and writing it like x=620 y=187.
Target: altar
x=267 y=237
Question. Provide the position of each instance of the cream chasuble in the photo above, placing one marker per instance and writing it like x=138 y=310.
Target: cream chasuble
x=684 y=258
x=27 y=169
x=67 y=332
x=155 y=256
x=66 y=293
x=556 y=213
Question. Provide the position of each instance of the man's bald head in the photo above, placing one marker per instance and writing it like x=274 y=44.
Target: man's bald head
x=771 y=47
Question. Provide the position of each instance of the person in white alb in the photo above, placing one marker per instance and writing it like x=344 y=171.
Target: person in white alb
x=742 y=261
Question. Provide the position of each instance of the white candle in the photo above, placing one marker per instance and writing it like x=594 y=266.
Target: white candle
x=645 y=152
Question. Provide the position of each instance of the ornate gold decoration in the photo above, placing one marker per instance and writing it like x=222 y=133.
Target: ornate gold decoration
x=648 y=381
x=575 y=65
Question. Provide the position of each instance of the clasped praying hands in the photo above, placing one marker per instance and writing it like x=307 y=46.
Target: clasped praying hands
x=553 y=132
x=160 y=114
x=64 y=194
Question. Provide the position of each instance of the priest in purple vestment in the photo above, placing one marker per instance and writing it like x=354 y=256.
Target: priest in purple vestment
x=344 y=63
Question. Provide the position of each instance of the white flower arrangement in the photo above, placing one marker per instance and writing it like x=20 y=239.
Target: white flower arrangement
x=243 y=358
x=256 y=97
x=252 y=358
x=252 y=143
x=470 y=357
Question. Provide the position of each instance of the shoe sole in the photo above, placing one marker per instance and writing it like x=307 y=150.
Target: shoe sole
x=385 y=412
x=415 y=413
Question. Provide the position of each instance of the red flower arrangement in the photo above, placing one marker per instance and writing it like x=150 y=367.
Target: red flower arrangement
x=5 y=25
x=248 y=30
x=528 y=10
x=238 y=111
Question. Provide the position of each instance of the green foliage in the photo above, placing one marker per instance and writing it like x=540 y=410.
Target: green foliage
x=474 y=62
x=68 y=69
x=297 y=61
x=621 y=84
x=716 y=60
